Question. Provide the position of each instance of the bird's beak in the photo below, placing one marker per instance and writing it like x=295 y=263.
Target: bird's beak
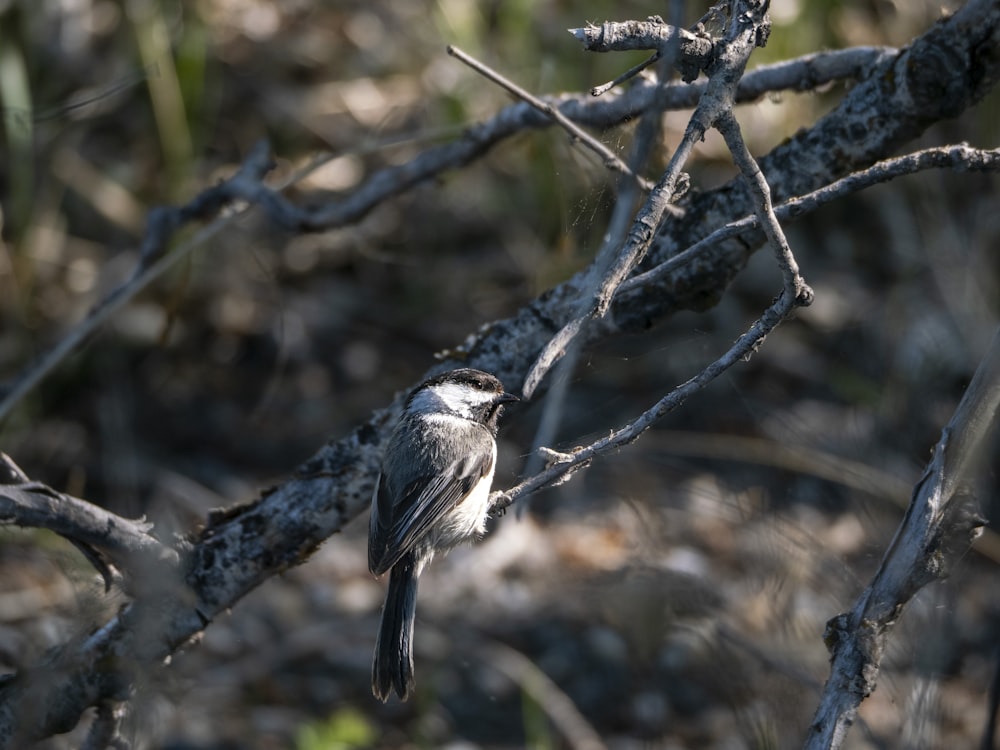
x=504 y=398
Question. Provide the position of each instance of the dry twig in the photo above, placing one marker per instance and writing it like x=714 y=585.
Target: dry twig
x=940 y=524
x=240 y=549
x=610 y=159
x=747 y=30
x=111 y=543
x=247 y=184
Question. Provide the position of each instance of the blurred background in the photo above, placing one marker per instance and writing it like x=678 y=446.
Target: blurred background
x=673 y=595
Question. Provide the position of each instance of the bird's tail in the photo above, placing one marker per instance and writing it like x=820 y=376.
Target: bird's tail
x=392 y=666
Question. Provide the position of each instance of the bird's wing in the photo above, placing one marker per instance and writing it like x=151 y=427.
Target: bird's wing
x=399 y=522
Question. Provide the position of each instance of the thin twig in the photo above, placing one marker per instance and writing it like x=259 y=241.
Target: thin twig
x=729 y=62
x=567 y=463
x=626 y=76
x=648 y=134
x=616 y=268
x=743 y=36
x=610 y=159
x=794 y=285
x=799 y=74
x=960 y=158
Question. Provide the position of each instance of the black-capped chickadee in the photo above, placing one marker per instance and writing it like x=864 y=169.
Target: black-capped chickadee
x=433 y=493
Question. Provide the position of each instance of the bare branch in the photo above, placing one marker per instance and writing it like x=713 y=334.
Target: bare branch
x=246 y=185
x=577 y=458
x=626 y=76
x=940 y=524
x=244 y=547
x=744 y=35
x=694 y=50
x=959 y=158
x=726 y=69
x=153 y=259
x=610 y=159
x=566 y=344
x=794 y=285
x=111 y=543
x=237 y=551
x=808 y=71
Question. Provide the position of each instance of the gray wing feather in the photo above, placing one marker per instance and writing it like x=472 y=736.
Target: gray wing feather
x=406 y=507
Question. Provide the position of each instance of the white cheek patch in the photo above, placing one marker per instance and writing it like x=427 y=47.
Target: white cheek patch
x=451 y=397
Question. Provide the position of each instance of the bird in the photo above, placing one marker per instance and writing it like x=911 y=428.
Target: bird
x=432 y=494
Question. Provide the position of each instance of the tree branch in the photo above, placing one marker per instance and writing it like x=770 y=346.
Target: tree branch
x=111 y=543
x=244 y=547
x=960 y=158
x=608 y=157
x=891 y=105
x=694 y=50
x=247 y=184
x=942 y=521
x=728 y=62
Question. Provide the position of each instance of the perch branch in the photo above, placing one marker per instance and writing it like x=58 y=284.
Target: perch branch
x=240 y=550
x=567 y=463
x=745 y=34
x=648 y=134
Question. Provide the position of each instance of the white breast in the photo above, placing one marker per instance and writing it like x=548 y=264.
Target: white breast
x=468 y=519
